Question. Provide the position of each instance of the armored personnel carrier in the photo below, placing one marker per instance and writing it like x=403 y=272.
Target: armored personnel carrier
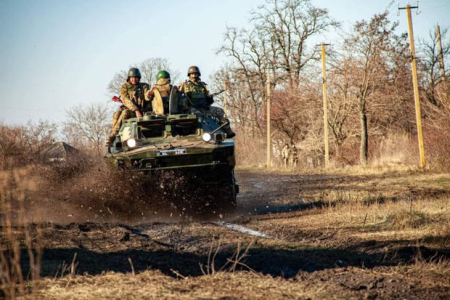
x=189 y=144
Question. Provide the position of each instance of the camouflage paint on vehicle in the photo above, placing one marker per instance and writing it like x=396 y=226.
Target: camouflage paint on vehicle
x=176 y=142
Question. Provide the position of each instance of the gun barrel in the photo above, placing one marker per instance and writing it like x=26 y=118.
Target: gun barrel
x=218 y=93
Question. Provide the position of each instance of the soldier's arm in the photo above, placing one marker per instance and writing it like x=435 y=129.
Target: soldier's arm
x=126 y=100
x=181 y=87
x=146 y=90
x=151 y=94
x=208 y=94
x=209 y=98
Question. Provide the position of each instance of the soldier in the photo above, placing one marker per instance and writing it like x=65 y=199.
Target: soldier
x=134 y=96
x=293 y=157
x=285 y=153
x=164 y=88
x=199 y=100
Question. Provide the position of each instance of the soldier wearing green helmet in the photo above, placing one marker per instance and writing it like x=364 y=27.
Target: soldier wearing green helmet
x=135 y=99
x=164 y=88
x=199 y=99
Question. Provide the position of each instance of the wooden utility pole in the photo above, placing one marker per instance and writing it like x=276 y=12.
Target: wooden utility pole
x=225 y=97
x=415 y=84
x=441 y=55
x=325 y=108
x=268 y=118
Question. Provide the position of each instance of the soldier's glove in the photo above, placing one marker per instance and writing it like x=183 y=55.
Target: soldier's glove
x=209 y=100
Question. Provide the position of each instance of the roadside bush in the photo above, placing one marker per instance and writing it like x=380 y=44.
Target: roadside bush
x=18 y=238
x=396 y=149
x=437 y=147
x=250 y=150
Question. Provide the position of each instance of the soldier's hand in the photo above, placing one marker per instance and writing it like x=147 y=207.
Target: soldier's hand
x=138 y=114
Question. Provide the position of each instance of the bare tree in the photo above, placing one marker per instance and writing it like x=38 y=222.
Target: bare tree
x=276 y=40
x=12 y=142
x=429 y=64
x=24 y=144
x=149 y=68
x=39 y=136
x=244 y=109
x=86 y=124
x=296 y=111
x=248 y=67
x=286 y=26
x=372 y=51
x=341 y=108
x=115 y=83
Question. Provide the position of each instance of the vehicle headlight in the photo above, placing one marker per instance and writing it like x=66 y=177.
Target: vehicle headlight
x=131 y=143
x=206 y=137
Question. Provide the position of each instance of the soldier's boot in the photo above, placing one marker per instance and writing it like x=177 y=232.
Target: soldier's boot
x=227 y=129
x=109 y=143
x=110 y=140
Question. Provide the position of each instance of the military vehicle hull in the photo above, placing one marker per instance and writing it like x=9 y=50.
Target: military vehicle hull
x=186 y=144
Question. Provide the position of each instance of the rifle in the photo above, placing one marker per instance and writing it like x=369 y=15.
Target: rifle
x=210 y=99
x=218 y=93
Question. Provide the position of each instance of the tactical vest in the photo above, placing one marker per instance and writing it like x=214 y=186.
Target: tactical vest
x=195 y=91
x=137 y=94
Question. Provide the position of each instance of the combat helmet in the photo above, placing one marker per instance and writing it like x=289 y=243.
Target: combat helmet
x=162 y=75
x=134 y=72
x=194 y=69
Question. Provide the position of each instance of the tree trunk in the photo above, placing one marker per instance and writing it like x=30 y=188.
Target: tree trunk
x=337 y=150
x=364 y=139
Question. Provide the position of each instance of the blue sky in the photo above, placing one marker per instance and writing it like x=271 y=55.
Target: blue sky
x=55 y=54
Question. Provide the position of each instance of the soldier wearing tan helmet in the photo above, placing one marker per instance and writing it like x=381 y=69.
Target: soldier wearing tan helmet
x=199 y=99
x=135 y=99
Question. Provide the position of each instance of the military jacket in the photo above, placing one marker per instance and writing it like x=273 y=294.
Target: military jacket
x=163 y=86
x=195 y=91
x=134 y=97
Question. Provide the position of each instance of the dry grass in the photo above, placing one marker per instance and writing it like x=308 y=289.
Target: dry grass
x=391 y=208
x=250 y=151
x=17 y=237
x=436 y=268
x=379 y=213
x=154 y=285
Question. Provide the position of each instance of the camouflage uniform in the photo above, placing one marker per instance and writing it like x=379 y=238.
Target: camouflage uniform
x=285 y=153
x=199 y=100
x=293 y=156
x=134 y=97
x=164 y=87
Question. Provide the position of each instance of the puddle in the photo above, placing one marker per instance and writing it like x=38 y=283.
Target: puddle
x=243 y=229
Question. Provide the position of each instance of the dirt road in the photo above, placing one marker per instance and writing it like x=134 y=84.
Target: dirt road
x=383 y=235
